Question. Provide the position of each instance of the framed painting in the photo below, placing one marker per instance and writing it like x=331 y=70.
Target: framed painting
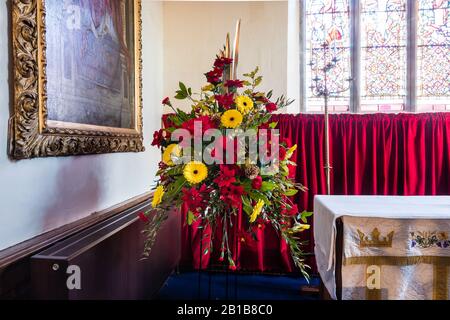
x=77 y=72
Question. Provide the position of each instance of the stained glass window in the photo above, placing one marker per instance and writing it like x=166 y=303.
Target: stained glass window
x=397 y=51
x=328 y=21
x=383 y=54
x=433 y=55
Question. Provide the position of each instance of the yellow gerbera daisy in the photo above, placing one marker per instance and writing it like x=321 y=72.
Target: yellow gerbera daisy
x=172 y=150
x=257 y=211
x=244 y=104
x=231 y=119
x=157 y=197
x=195 y=172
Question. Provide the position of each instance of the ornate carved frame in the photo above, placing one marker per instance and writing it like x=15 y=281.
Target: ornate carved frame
x=31 y=134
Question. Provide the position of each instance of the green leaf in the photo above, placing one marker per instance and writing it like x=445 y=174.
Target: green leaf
x=284 y=170
x=247 y=185
x=255 y=72
x=268 y=186
x=247 y=205
x=305 y=215
x=175 y=187
x=291 y=192
x=180 y=95
x=273 y=125
x=256 y=196
x=258 y=81
x=183 y=115
x=183 y=87
x=190 y=218
x=175 y=171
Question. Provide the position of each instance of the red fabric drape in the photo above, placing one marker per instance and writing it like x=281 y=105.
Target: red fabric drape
x=376 y=154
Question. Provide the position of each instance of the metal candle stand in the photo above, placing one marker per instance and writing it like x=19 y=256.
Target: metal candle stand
x=320 y=89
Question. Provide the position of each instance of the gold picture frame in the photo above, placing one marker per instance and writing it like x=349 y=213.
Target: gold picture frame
x=31 y=133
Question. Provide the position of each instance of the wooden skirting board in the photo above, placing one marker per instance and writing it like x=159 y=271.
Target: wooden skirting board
x=111 y=234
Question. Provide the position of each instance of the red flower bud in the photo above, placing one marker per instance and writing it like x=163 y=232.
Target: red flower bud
x=257 y=183
x=166 y=101
x=271 y=107
x=143 y=217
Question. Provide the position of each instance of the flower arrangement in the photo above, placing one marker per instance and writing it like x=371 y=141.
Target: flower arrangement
x=216 y=181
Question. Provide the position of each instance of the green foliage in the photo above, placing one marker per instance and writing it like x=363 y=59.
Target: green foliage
x=184 y=92
x=268 y=186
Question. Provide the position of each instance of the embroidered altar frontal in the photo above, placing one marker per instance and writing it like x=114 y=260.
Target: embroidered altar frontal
x=395 y=259
x=391 y=247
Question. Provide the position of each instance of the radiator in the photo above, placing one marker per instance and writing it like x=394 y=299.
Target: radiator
x=105 y=261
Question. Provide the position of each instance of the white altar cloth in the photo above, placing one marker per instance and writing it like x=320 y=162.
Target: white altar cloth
x=329 y=208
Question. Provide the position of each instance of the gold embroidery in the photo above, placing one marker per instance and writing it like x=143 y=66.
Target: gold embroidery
x=374 y=294
x=397 y=260
x=374 y=240
x=440 y=282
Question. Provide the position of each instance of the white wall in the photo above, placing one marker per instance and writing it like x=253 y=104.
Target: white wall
x=195 y=31
x=42 y=194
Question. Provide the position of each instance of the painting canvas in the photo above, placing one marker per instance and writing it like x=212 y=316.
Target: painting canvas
x=89 y=62
x=83 y=94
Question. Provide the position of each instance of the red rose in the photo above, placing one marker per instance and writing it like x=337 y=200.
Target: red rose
x=222 y=62
x=271 y=107
x=287 y=142
x=214 y=76
x=206 y=122
x=225 y=100
x=257 y=183
x=282 y=154
x=143 y=217
x=158 y=138
x=233 y=268
x=166 y=101
x=293 y=211
x=234 y=84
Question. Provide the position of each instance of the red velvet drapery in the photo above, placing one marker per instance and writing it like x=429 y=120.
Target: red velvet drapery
x=374 y=154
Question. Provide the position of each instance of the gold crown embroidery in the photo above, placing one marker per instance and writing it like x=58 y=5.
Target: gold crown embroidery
x=374 y=239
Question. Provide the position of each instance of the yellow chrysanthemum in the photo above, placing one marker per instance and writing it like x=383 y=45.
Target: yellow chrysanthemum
x=244 y=104
x=172 y=150
x=195 y=172
x=257 y=211
x=157 y=197
x=231 y=119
